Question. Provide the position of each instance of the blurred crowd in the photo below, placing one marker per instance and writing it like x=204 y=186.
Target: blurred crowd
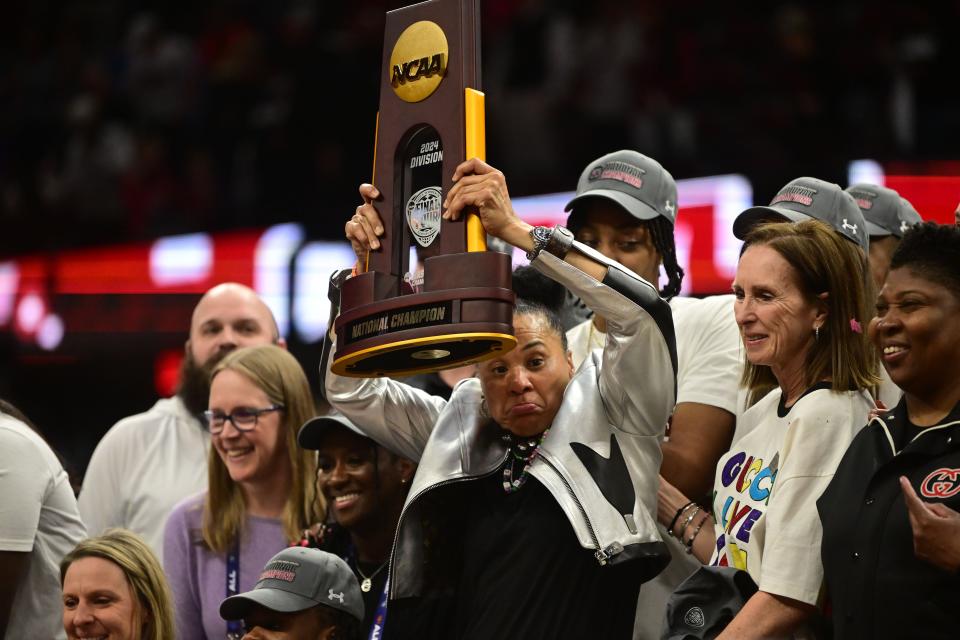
x=125 y=121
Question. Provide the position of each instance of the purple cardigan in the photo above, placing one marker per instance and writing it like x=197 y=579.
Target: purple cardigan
x=198 y=576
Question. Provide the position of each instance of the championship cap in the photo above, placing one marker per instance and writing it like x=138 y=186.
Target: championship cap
x=886 y=212
x=297 y=579
x=806 y=198
x=632 y=180
x=704 y=604
x=313 y=430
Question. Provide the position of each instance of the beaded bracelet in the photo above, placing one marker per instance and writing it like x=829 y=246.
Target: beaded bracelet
x=677 y=515
x=688 y=544
x=687 y=522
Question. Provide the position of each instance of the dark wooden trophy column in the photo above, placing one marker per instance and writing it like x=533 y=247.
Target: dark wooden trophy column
x=430 y=120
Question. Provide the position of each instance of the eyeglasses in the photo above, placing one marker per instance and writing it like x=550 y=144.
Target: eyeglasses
x=243 y=419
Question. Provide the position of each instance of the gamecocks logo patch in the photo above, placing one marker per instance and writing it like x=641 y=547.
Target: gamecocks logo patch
x=941 y=484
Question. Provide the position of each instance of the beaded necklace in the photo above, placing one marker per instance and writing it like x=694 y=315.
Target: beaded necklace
x=524 y=451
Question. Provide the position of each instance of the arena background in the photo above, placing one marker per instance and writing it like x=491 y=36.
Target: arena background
x=151 y=149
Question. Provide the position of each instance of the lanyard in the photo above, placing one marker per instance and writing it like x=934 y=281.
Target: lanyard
x=380 y=617
x=234 y=627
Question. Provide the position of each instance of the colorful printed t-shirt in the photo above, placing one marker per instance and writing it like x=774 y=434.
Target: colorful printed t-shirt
x=767 y=485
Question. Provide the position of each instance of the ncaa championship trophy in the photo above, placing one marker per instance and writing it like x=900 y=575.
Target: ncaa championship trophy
x=431 y=118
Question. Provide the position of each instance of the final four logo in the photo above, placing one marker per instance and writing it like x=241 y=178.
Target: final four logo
x=423 y=215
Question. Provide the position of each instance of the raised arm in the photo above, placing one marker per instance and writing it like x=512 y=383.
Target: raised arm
x=393 y=414
x=638 y=371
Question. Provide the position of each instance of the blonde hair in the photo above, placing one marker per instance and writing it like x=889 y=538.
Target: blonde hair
x=280 y=376
x=823 y=262
x=127 y=550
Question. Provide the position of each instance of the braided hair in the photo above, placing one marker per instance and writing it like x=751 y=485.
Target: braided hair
x=661 y=232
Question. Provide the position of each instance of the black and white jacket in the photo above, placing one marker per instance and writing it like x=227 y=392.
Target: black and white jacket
x=601 y=459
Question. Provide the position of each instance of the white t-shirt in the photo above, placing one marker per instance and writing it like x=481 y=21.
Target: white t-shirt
x=886 y=391
x=38 y=515
x=142 y=468
x=708 y=349
x=767 y=486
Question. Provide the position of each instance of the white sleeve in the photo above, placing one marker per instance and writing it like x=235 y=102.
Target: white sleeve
x=24 y=481
x=637 y=378
x=709 y=353
x=393 y=414
x=816 y=439
x=101 y=500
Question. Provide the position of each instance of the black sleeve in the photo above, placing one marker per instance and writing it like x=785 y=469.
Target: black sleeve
x=333 y=294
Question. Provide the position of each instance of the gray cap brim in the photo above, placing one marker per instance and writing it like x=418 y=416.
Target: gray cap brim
x=634 y=207
x=313 y=430
x=236 y=607
x=874 y=229
x=750 y=218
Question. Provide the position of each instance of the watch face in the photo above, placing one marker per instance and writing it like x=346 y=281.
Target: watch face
x=540 y=235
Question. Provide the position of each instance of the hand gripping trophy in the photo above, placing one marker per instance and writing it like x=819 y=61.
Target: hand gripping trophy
x=431 y=118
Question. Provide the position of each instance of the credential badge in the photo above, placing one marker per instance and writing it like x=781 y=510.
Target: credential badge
x=423 y=215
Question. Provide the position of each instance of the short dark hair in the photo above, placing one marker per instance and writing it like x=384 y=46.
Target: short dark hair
x=532 y=307
x=932 y=251
x=532 y=286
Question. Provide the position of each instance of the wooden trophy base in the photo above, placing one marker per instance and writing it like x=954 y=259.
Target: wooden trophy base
x=442 y=327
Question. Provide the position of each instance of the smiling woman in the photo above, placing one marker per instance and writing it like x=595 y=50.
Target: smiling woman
x=798 y=285
x=113 y=587
x=364 y=485
x=904 y=467
x=261 y=488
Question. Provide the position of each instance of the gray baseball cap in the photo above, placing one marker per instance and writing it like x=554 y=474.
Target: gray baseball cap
x=806 y=198
x=887 y=213
x=632 y=180
x=704 y=604
x=297 y=579
x=313 y=430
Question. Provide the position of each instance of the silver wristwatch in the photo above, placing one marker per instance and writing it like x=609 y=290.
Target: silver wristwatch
x=556 y=240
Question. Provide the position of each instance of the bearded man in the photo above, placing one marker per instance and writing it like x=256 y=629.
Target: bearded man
x=147 y=463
